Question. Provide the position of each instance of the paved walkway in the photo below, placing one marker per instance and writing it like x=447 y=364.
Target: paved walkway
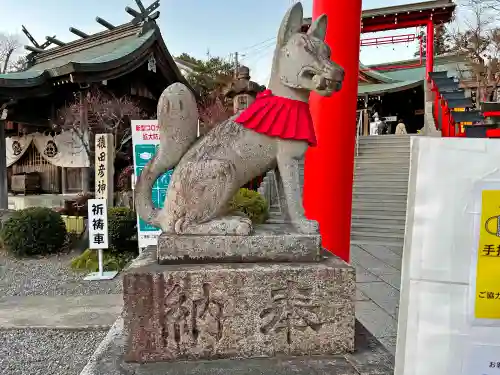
x=378 y=270
x=378 y=273
x=61 y=312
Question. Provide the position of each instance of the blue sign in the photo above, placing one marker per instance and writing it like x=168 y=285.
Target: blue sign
x=145 y=140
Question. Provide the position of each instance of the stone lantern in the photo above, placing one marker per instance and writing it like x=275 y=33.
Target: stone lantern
x=241 y=90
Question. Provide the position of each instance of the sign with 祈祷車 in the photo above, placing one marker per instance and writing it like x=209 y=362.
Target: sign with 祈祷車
x=98 y=223
x=104 y=166
x=146 y=140
x=98 y=237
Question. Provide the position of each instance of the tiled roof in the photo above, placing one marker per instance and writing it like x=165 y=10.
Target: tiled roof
x=382 y=88
x=88 y=59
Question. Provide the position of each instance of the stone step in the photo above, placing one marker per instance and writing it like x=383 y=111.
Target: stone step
x=379 y=228
x=360 y=183
x=387 y=142
x=380 y=171
x=371 y=225
x=388 y=209
x=382 y=219
x=382 y=200
x=384 y=147
x=383 y=155
x=382 y=167
x=384 y=138
x=382 y=193
x=366 y=240
x=384 y=144
x=376 y=189
x=60 y=312
x=381 y=210
x=393 y=160
x=374 y=177
x=374 y=234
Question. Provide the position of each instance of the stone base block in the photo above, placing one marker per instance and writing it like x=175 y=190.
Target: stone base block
x=269 y=242
x=232 y=310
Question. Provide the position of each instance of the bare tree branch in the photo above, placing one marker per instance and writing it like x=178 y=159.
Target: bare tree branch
x=9 y=44
x=105 y=114
x=479 y=41
x=213 y=113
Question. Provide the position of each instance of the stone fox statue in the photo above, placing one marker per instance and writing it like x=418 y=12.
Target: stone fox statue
x=275 y=130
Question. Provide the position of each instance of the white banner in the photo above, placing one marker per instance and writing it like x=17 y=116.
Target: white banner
x=145 y=140
x=98 y=224
x=65 y=149
x=104 y=166
x=15 y=147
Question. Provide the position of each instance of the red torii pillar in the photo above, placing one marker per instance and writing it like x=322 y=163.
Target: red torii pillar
x=429 y=53
x=328 y=175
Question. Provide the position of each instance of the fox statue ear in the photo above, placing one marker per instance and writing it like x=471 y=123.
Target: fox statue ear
x=318 y=27
x=291 y=24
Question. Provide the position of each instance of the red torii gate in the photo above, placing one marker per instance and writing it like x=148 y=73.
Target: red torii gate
x=328 y=178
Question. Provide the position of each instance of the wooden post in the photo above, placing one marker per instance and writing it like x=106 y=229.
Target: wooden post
x=63 y=180
x=4 y=192
x=366 y=118
x=366 y=122
x=104 y=167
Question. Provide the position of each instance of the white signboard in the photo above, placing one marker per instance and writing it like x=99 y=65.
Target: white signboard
x=104 y=166
x=98 y=223
x=98 y=236
x=146 y=140
x=483 y=360
x=438 y=330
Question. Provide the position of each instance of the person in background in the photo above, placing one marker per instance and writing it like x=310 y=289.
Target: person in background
x=400 y=128
x=382 y=127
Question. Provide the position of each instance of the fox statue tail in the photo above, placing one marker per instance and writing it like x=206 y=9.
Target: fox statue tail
x=178 y=126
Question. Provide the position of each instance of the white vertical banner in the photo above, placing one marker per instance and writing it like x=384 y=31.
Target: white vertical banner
x=98 y=236
x=146 y=140
x=104 y=166
x=98 y=223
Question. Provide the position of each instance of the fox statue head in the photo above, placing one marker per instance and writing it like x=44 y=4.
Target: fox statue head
x=302 y=60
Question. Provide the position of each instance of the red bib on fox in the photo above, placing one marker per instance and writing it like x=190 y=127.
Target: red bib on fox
x=276 y=116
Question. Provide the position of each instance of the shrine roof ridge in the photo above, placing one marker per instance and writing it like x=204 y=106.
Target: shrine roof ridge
x=142 y=19
x=93 y=40
x=412 y=7
x=97 y=57
x=447 y=5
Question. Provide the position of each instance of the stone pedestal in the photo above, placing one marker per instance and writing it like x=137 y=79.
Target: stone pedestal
x=268 y=243
x=234 y=310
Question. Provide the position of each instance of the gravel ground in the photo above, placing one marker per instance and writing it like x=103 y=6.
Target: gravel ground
x=46 y=352
x=49 y=276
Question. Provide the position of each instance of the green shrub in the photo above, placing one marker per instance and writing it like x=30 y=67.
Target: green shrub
x=88 y=262
x=121 y=227
x=252 y=204
x=34 y=231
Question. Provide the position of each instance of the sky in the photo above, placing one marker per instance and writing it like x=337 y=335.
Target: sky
x=197 y=27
